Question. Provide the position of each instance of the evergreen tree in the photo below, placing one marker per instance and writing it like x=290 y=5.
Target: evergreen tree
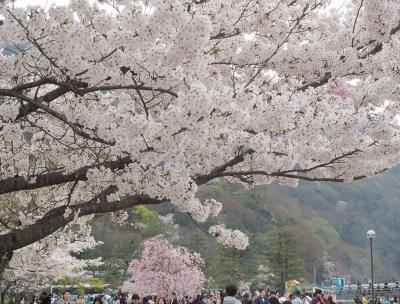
x=283 y=257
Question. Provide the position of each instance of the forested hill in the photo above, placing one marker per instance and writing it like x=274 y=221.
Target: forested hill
x=326 y=222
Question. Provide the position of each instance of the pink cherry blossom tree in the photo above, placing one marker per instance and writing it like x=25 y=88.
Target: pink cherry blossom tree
x=163 y=269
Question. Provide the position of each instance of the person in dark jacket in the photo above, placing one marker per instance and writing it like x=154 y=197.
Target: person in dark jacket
x=273 y=300
x=246 y=299
x=262 y=298
x=45 y=299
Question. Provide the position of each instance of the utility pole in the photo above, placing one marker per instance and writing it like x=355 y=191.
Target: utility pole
x=371 y=235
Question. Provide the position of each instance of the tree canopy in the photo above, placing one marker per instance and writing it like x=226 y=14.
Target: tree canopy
x=117 y=103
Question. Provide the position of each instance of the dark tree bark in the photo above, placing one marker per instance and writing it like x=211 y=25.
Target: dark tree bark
x=56 y=219
x=5 y=258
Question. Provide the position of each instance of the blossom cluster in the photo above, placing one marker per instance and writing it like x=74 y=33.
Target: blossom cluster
x=229 y=237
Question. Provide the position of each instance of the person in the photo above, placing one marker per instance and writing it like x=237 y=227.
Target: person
x=34 y=300
x=80 y=300
x=159 y=301
x=135 y=299
x=149 y=300
x=262 y=298
x=273 y=299
x=273 y=294
x=66 y=297
x=304 y=299
x=45 y=298
x=330 y=300
x=207 y=299
x=296 y=297
x=386 y=300
x=22 y=301
x=110 y=300
x=13 y=300
x=174 y=299
x=198 y=300
x=364 y=299
x=91 y=300
x=230 y=297
x=221 y=295
x=317 y=298
x=56 y=301
x=246 y=299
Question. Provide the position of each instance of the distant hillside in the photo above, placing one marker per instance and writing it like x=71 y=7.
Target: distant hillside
x=329 y=222
x=333 y=217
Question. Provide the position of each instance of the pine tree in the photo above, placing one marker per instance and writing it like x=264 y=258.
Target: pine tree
x=283 y=258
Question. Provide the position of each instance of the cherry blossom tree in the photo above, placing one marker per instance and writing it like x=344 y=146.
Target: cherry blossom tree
x=265 y=277
x=37 y=265
x=117 y=103
x=164 y=269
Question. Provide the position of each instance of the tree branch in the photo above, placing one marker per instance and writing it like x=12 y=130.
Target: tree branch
x=204 y=178
x=126 y=87
x=56 y=218
x=19 y=183
x=63 y=118
x=355 y=21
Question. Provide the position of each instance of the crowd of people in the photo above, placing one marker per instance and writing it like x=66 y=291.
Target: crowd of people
x=381 y=299
x=230 y=295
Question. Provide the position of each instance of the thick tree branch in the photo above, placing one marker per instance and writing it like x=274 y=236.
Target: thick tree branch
x=317 y=83
x=18 y=183
x=56 y=218
x=204 y=178
x=30 y=108
x=293 y=173
x=65 y=87
x=126 y=87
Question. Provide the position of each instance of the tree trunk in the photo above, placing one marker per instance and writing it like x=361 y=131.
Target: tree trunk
x=5 y=258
